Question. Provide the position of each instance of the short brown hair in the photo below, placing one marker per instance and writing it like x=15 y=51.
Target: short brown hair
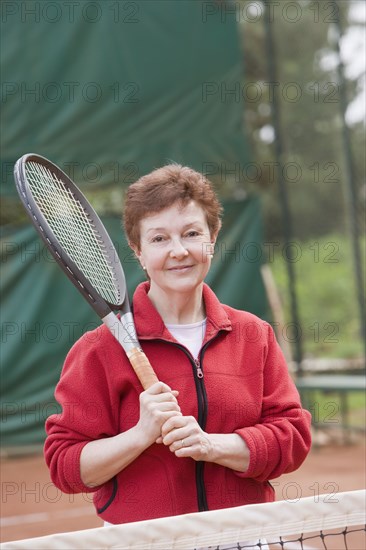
x=163 y=188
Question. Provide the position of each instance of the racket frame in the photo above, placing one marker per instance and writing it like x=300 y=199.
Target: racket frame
x=123 y=328
x=98 y=303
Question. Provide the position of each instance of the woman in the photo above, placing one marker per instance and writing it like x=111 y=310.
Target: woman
x=225 y=418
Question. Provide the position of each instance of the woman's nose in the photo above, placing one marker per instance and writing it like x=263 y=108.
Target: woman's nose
x=178 y=250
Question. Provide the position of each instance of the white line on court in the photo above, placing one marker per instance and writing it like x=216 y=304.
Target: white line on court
x=46 y=516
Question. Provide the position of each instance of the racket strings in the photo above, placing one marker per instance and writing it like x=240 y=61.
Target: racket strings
x=74 y=229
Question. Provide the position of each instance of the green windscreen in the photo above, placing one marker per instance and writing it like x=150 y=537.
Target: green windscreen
x=109 y=90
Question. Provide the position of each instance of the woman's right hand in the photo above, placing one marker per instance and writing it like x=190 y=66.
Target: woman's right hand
x=157 y=404
x=102 y=459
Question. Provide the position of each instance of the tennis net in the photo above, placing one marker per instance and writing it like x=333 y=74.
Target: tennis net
x=321 y=522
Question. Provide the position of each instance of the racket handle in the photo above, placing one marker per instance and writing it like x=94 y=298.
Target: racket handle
x=141 y=365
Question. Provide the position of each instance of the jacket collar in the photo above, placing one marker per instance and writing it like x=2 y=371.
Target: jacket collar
x=150 y=325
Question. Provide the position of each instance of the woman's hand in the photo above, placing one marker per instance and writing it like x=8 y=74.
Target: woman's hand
x=102 y=459
x=157 y=405
x=185 y=438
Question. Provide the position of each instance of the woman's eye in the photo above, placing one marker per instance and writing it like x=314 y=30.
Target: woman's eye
x=157 y=239
x=192 y=233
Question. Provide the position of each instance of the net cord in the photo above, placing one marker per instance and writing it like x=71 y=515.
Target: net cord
x=218 y=527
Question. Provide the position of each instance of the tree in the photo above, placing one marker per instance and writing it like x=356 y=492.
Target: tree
x=308 y=91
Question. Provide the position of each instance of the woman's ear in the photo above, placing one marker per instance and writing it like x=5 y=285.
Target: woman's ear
x=213 y=239
x=137 y=252
x=214 y=236
x=210 y=248
x=134 y=248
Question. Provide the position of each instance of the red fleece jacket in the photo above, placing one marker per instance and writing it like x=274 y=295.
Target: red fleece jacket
x=246 y=389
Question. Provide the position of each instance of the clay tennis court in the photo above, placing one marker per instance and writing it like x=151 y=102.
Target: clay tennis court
x=32 y=506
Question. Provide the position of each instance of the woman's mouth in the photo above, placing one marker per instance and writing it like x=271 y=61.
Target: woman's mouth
x=180 y=268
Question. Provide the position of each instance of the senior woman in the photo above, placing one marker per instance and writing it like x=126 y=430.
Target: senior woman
x=225 y=417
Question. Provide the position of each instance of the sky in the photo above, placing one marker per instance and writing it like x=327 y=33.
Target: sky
x=353 y=52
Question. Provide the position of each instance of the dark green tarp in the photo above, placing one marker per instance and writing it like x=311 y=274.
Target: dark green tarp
x=43 y=314
x=110 y=90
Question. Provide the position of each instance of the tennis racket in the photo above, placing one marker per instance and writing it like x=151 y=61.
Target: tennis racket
x=77 y=239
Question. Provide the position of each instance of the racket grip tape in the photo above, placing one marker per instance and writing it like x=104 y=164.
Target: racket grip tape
x=142 y=367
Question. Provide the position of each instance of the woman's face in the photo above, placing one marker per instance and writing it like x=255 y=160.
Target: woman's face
x=176 y=247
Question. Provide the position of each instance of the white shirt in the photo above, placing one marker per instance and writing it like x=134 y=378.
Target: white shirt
x=191 y=336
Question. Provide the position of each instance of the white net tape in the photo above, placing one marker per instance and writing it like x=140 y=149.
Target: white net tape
x=283 y=524
x=74 y=229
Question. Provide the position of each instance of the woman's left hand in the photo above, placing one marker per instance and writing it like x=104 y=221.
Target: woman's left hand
x=185 y=438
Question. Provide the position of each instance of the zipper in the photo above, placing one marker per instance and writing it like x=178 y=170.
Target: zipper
x=199 y=382
x=202 y=413
x=199 y=371
x=202 y=418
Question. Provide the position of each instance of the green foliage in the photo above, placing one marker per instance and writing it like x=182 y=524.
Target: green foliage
x=307 y=88
x=328 y=309
x=313 y=162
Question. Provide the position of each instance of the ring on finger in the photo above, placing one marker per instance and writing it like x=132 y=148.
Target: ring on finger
x=182 y=442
